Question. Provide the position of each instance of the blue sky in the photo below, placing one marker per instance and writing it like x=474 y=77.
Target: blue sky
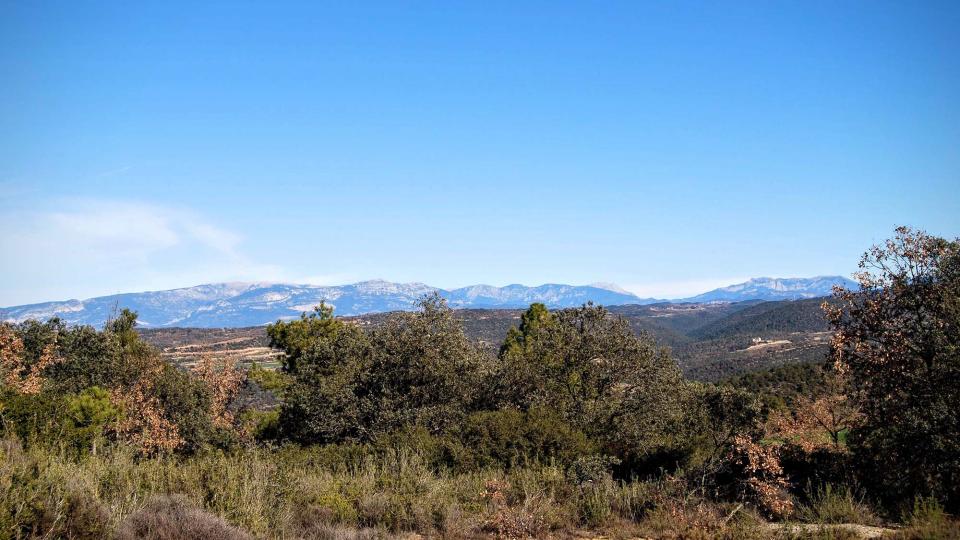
x=669 y=147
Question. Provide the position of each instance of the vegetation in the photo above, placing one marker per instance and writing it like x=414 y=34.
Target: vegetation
x=710 y=342
x=576 y=422
x=898 y=338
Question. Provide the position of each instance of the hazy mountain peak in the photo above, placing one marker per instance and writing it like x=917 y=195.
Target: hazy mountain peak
x=257 y=303
x=768 y=288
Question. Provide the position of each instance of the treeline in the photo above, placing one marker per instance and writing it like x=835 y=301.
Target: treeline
x=574 y=391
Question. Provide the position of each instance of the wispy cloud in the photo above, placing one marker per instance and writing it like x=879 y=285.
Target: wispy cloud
x=97 y=246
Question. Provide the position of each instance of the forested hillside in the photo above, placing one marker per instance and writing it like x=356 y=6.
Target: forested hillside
x=710 y=341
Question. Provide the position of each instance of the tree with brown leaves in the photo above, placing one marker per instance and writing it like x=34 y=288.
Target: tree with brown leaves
x=898 y=338
x=223 y=380
x=819 y=422
x=17 y=373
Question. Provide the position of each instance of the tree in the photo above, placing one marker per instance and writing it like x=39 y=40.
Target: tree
x=714 y=416
x=88 y=415
x=898 y=337
x=296 y=338
x=532 y=320
x=325 y=401
x=590 y=368
x=820 y=422
x=423 y=370
x=222 y=380
x=416 y=369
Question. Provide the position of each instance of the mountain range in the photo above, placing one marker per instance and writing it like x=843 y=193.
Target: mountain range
x=775 y=289
x=253 y=304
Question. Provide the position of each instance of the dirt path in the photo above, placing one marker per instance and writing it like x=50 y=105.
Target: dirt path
x=862 y=531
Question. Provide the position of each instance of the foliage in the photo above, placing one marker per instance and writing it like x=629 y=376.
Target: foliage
x=592 y=469
x=296 y=338
x=88 y=417
x=782 y=386
x=80 y=387
x=222 y=380
x=509 y=438
x=898 y=337
x=408 y=425
x=274 y=381
x=416 y=369
x=714 y=416
x=762 y=480
x=589 y=367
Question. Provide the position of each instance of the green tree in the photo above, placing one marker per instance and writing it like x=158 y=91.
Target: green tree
x=713 y=416
x=423 y=369
x=532 y=321
x=590 y=368
x=325 y=401
x=87 y=416
x=296 y=338
x=416 y=369
x=898 y=337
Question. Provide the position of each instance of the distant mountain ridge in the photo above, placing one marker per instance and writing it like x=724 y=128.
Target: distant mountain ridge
x=253 y=304
x=766 y=288
x=219 y=305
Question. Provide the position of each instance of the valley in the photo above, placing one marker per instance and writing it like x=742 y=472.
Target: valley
x=710 y=341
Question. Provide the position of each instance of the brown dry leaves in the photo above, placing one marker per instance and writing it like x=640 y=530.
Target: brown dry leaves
x=16 y=374
x=144 y=423
x=764 y=481
x=223 y=380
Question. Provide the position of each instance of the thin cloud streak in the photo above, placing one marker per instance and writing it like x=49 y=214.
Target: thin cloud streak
x=63 y=251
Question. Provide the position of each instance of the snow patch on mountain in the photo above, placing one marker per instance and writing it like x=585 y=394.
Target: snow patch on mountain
x=767 y=288
x=252 y=304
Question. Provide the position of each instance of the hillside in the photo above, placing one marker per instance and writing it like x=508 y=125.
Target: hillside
x=710 y=340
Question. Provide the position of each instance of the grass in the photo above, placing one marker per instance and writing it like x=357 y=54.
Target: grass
x=320 y=493
x=927 y=520
x=829 y=504
x=289 y=493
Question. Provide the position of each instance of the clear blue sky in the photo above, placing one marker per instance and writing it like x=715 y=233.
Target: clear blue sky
x=665 y=146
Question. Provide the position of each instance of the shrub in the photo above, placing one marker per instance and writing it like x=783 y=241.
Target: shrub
x=926 y=519
x=828 y=504
x=591 y=469
x=173 y=517
x=509 y=438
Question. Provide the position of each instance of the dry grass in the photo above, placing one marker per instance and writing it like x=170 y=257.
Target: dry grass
x=175 y=518
x=297 y=493
x=829 y=504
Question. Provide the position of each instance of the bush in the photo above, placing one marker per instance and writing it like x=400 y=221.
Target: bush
x=828 y=504
x=510 y=438
x=592 y=469
x=926 y=519
x=173 y=517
